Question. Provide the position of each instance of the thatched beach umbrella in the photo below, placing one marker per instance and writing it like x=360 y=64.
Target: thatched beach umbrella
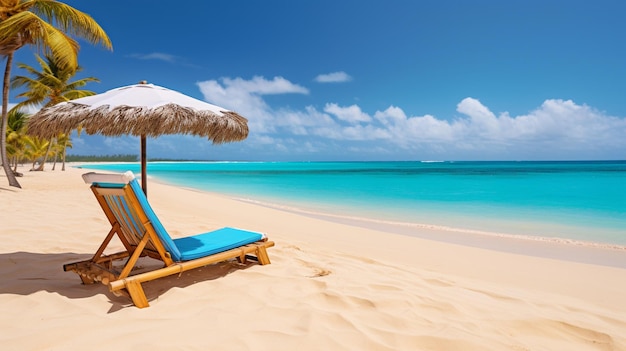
x=143 y=110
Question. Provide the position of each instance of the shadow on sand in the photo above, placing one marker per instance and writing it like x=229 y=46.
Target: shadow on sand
x=26 y=273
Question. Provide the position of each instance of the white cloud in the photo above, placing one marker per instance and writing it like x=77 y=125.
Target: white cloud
x=250 y=105
x=407 y=131
x=30 y=110
x=335 y=77
x=305 y=122
x=155 y=56
x=245 y=97
x=558 y=129
x=482 y=121
x=559 y=123
x=260 y=86
x=351 y=114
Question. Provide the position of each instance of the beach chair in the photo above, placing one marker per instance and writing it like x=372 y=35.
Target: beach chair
x=142 y=234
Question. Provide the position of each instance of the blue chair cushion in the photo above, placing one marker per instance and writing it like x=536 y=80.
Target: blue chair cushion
x=166 y=240
x=213 y=242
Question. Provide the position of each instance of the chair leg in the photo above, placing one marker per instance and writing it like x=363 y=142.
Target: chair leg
x=242 y=258
x=85 y=279
x=261 y=254
x=136 y=293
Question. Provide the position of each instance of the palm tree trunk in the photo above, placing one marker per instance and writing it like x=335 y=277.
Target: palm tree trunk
x=64 y=155
x=45 y=157
x=5 y=119
x=56 y=157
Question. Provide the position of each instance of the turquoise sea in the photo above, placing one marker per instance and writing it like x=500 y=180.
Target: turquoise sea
x=566 y=200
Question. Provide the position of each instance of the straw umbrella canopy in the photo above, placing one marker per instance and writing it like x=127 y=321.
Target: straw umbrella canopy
x=143 y=110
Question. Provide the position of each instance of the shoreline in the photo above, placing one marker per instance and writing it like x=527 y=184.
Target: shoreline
x=331 y=285
x=606 y=254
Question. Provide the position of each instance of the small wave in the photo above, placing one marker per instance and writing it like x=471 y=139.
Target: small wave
x=426 y=226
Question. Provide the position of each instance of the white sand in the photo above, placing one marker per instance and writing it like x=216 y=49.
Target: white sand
x=330 y=286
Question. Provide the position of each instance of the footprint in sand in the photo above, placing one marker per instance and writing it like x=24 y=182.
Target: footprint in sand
x=317 y=270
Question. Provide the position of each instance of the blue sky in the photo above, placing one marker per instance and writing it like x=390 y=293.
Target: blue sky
x=374 y=80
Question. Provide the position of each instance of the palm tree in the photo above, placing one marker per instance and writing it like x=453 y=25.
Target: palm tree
x=50 y=83
x=54 y=150
x=16 y=132
x=64 y=141
x=50 y=86
x=36 y=148
x=21 y=24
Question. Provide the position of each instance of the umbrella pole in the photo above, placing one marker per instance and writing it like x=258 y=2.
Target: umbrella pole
x=144 y=178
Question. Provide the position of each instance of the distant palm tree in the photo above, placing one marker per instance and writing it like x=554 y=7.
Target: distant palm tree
x=36 y=149
x=64 y=141
x=54 y=150
x=49 y=87
x=16 y=132
x=21 y=24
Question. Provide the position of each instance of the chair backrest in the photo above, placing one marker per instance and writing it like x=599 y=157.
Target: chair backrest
x=130 y=208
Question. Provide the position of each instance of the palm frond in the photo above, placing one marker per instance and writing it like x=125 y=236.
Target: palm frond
x=18 y=30
x=72 y=21
x=63 y=48
x=81 y=83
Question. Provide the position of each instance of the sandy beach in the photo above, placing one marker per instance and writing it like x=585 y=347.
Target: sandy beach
x=331 y=286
